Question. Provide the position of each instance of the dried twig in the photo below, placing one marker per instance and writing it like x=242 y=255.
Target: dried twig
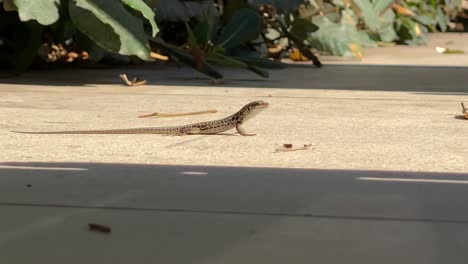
x=158 y=56
x=289 y=147
x=134 y=82
x=156 y=114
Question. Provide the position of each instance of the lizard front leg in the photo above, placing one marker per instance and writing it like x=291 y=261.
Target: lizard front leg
x=242 y=131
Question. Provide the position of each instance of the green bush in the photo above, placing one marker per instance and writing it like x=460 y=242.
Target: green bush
x=238 y=33
x=96 y=25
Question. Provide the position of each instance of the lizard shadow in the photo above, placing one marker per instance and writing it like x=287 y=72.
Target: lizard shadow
x=199 y=137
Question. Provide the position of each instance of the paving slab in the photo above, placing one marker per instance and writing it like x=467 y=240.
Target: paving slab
x=403 y=124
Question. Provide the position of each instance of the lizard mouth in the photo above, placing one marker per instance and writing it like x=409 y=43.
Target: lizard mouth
x=263 y=105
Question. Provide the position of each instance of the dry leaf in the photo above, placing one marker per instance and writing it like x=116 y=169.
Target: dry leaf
x=403 y=10
x=296 y=55
x=276 y=49
x=356 y=50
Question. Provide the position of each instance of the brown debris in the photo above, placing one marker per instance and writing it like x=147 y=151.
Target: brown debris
x=99 y=228
x=403 y=10
x=289 y=147
x=134 y=82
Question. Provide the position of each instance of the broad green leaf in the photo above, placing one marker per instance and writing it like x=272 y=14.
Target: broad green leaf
x=191 y=39
x=44 y=11
x=111 y=26
x=205 y=29
x=232 y=62
x=441 y=20
x=176 y=10
x=28 y=48
x=380 y=5
x=336 y=37
x=386 y=28
x=302 y=28
x=244 y=25
x=186 y=58
x=146 y=11
x=368 y=14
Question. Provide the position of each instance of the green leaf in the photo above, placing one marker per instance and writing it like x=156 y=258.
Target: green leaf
x=111 y=26
x=336 y=37
x=192 y=40
x=378 y=18
x=186 y=58
x=380 y=5
x=146 y=11
x=205 y=29
x=244 y=25
x=368 y=14
x=232 y=62
x=302 y=28
x=44 y=11
x=441 y=20
x=386 y=29
x=26 y=50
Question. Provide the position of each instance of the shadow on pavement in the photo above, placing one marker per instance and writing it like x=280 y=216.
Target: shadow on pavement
x=198 y=214
x=339 y=77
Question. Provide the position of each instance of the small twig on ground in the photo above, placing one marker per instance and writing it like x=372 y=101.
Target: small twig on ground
x=134 y=82
x=289 y=147
x=156 y=114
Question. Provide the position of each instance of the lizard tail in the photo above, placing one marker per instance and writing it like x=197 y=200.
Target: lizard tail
x=110 y=131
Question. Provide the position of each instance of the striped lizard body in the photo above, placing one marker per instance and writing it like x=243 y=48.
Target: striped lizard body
x=210 y=127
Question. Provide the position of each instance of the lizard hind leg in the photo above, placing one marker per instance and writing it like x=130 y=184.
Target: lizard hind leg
x=242 y=131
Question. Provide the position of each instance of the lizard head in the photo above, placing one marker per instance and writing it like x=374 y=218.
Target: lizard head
x=252 y=109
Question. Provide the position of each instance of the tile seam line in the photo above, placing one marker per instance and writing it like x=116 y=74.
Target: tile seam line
x=240 y=213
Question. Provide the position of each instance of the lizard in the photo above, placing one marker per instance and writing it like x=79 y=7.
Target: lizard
x=235 y=120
